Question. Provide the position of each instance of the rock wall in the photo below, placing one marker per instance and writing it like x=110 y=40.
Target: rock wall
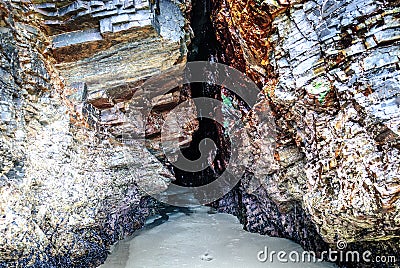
x=330 y=71
x=69 y=74
x=68 y=186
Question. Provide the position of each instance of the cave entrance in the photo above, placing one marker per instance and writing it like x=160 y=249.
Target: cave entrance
x=204 y=47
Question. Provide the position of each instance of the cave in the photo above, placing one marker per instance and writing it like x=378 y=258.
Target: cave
x=203 y=47
x=199 y=133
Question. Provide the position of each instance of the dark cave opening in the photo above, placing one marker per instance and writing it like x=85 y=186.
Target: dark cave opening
x=204 y=47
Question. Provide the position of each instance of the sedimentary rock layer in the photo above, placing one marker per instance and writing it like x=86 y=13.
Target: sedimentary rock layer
x=330 y=70
x=68 y=186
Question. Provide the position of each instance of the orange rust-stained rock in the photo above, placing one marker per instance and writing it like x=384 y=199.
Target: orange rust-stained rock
x=243 y=28
x=331 y=72
x=80 y=51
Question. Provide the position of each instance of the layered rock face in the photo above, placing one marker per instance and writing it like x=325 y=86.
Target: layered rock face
x=69 y=71
x=330 y=70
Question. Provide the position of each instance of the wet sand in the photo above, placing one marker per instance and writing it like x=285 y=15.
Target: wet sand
x=199 y=238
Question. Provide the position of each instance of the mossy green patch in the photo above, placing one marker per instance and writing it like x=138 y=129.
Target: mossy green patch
x=319 y=88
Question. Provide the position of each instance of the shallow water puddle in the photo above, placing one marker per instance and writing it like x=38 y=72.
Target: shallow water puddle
x=200 y=239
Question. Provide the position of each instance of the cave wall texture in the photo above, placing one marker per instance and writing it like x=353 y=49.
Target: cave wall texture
x=68 y=186
x=69 y=69
x=330 y=70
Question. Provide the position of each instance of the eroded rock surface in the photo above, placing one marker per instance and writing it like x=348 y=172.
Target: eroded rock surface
x=69 y=74
x=68 y=186
x=330 y=70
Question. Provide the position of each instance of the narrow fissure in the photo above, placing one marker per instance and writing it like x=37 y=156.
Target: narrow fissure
x=203 y=47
